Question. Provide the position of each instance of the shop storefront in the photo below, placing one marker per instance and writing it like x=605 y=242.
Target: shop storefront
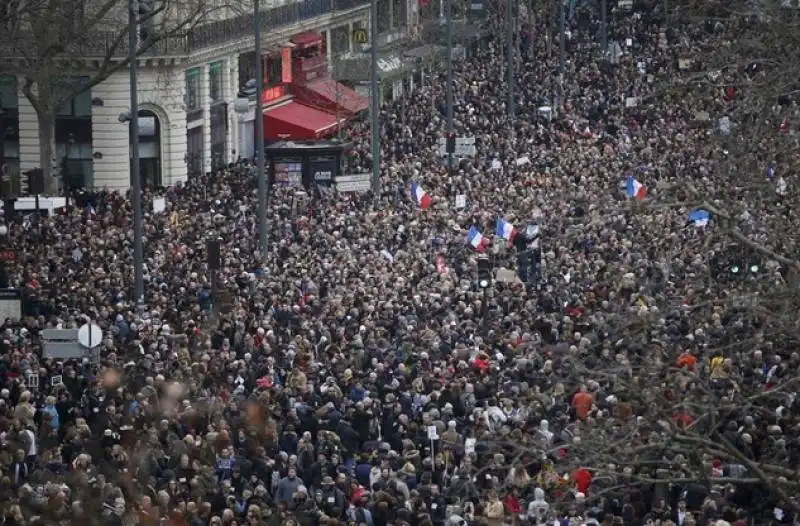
x=312 y=166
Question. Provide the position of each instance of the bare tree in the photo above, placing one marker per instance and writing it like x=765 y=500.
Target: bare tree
x=62 y=49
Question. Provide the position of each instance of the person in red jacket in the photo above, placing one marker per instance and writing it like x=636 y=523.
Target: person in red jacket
x=512 y=504
x=481 y=363
x=582 y=478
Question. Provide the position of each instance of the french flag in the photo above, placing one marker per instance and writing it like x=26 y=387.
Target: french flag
x=634 y=189
x=505 y=230
x=420 y=196
x=476 y=239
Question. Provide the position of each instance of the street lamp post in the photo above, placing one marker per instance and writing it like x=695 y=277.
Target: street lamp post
x=4 y=280
x=136 y=201
x=136 y=182
x=510 y=31
x=375 y=107
x=263 y=188
x=451 y=129
x=3 y=170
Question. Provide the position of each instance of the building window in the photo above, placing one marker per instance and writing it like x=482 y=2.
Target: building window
x=273 y=76
x=215 y=82
x=81 y=105
x=11 y=158
x=9 y=99
x=384 y=16
x=193 y=89
x=340 y=40
x=77 y=166
x=400 y=14
x=247 y=68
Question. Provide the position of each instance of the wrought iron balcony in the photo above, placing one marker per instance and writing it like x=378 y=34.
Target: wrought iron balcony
x=222 y=31
x=108 y=44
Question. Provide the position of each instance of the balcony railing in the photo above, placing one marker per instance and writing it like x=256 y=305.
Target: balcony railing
x=222 y=31
x=102 y=44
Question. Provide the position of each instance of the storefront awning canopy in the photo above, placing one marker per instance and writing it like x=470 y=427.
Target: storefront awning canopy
x=427 y=51
x=357 y=69
x=331 y=96
x=309 y=38
x=297 y=121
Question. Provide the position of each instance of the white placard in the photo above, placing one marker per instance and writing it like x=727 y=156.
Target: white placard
x=461 y=201
x=56 y=380
x=631 y=102
x=725 y=125
x=354 y=182
x=522 y=161
x=159 y=204
x=629 y=42
x=31 y=380
x=464 y=147
x=496 y=164
x=433 y=433
x=469 y=446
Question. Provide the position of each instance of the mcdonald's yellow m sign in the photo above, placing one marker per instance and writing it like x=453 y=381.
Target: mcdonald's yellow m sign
x=360 y=36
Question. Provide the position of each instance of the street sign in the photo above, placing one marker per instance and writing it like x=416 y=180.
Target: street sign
x=465 y=147
x=10 y=304
x=90 y=335
x=354 y=182
x=61 y=344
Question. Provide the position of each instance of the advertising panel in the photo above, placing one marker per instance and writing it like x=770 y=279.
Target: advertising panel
x=288 y=172
x=323 y=170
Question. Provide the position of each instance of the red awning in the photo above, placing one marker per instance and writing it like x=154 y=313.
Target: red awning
x=297 y=121
x=331 y=96
x=309 y=38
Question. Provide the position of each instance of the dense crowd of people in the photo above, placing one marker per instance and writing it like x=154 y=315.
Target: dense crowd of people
x=612 y=372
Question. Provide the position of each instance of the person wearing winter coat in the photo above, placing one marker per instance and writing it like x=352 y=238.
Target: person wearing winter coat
x=538 y=508
x=494 y=511
x=288 y=486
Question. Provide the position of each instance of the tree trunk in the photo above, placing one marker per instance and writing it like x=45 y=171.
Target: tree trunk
x=47 y=151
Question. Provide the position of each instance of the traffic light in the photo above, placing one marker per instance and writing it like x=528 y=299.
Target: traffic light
x=9 y=212
x=451 y=143
x=213 y=254
x=736 y=263
x=33 y=182
x=484 y=272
